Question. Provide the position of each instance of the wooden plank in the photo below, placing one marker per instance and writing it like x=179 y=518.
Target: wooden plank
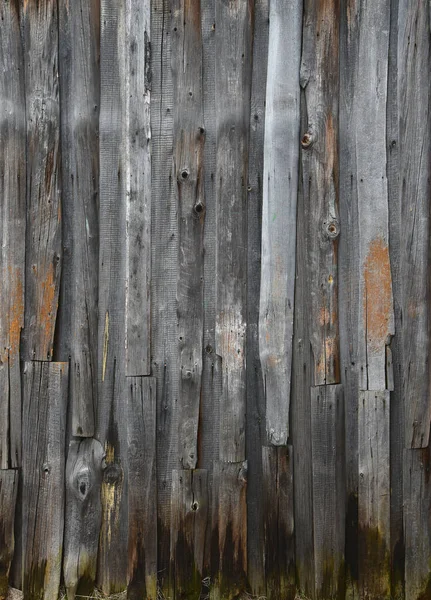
x=229 y=531
x=79 y=39
x=189 y=139
x=45 y=386
x=374 y=494
x=414 y=80
x=319 y=78
x=233 y=82
x=141 y=460
x=417 y=532
x=85 y=462
x=138 y=183
x=280 y=189
x=43 y=239
x=279 y=542
x=12 y=231
x=327 y=427
x=189 y=526
x=8 y=495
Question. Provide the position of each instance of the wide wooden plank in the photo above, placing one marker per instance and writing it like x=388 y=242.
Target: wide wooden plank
x=138 y=184
x=189 y=142
x=12 y=231
x=414 y=80
x=189 y=526
x=45 y=386
x=279 y=542
x=327 y=430
x=319 y=78
x=280 y=190
x=141 y=460
x=43 y=238
x=374 y=494
x=8 y=495
x=229 y=531
x=83 y=515
x=233 y=50
x=79 y=41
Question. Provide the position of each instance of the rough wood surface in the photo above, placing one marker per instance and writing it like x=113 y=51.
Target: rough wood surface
x=80 y=99
x=189 y=528
x=141 y=459
x=138 y=186
x=374 y=494
x=189 y=142
x=327 y=430
x=45 y=386
x=43 y=237
x=233 y=84
x=8 y=496
x=280 y=189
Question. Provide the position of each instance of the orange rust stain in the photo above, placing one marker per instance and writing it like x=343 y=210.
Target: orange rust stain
x=377 y=300
x=47 y=310
x=16 y=312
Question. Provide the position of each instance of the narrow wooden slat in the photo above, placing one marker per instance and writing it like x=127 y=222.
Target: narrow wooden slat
x=279 y=543
x=45 y=386
x=83 y=516
x=319 y=77
x=189 y=525
x=374 y=495
x=79 y=65
x=414 y=80
x=327 y=427
x=189 y=191
x=141 y=443
x=43 y=238
x=138 y=182
x=280 y=189
x=12 y=231
x=229 y=531
x=8 y=496
x=233 y=83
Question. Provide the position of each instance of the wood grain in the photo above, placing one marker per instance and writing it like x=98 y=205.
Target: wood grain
x=8 y=495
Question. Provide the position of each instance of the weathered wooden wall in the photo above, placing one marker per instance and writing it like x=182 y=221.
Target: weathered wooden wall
x=215 y=299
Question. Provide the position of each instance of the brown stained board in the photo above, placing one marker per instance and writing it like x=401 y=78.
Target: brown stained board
x=45 y=386
x=279 y=542
x=79 y=39
x=138 y=183
x=233 y=48
x=229 y=531
x=12 y=232
x=43 y=237
x=8 y=497
x=83 y=515
x=414 y=52
x=417 y=505
x=141 y=459
x=280 y=190
x=320 y=81
x=374 y=495
x=188 y=174
x=110 y=423
x=189 y=528
x=327 y=426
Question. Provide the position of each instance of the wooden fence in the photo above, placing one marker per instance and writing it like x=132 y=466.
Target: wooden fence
x=214 y=298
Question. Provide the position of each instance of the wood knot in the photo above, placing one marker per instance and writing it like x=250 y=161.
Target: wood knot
x=199 y=208
x=307 y=140
x=195 y=506
x=112 y=473
x=184 y=174
x=332 y=229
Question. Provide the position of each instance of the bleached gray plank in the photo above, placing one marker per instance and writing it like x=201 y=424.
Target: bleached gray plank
x=280 y=189
x=319 y=78
x=83 y=515
x=79 y=38
x=233 y=83
x=8 y=497
x=374 y=494
x=189 y=139
x=138 y=186
x=44 y=418
x=43 y=237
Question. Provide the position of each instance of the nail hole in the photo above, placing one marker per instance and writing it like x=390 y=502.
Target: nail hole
x=184 y=174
